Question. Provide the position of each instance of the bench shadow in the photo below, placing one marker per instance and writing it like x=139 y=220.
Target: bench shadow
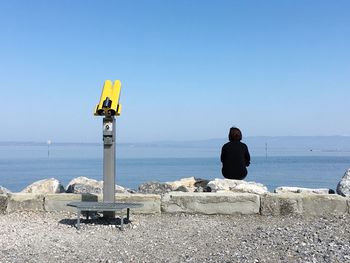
x=95 y=220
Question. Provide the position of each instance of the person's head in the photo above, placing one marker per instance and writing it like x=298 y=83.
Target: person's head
x=235 y=135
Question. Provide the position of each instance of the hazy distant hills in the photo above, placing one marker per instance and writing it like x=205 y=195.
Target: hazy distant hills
x=314 y=143
x=307 y=142
x=258 y=145
x=304 y=142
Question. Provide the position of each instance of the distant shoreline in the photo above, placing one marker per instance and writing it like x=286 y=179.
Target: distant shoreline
x=191 y=141
x=264 y=144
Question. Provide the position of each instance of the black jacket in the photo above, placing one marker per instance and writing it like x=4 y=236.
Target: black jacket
x=235 y=158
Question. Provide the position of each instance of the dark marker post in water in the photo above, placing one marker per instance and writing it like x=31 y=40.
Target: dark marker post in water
x=48 y=148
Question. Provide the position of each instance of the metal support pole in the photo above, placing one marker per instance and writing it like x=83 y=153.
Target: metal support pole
x=109 y=166
x=78 y=219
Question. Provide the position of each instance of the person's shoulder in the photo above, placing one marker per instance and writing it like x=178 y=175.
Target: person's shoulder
x=243 y=144
x=226 y=144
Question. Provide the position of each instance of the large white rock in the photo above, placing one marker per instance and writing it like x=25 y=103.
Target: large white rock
x=185 y=182
x=343 y=187
x=84 y=185
x=4 y=190
x=190 y=184
x=45 y=186
x=154 y=188
x=301 y=190
x=238 y=186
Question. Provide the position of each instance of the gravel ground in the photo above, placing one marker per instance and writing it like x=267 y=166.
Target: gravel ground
x=52 y=237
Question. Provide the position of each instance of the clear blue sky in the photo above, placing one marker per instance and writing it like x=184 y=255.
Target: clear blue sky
x=189 y=69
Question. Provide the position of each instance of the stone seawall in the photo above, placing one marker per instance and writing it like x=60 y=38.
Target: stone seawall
x=270 y=204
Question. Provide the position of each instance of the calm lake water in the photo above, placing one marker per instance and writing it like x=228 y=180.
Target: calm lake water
x=22 y=164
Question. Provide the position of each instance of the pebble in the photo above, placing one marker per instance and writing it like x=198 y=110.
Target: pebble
x=52 y=237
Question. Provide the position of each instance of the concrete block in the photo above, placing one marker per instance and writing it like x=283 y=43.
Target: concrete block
x=305 y=204
x=318 y=205
x=3 y=203
x=151 y=202
x=211 y=203
x=281 y=204
x=58 y=202
x=24 y=201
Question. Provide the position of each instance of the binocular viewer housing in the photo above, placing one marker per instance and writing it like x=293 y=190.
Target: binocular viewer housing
x=109 y=101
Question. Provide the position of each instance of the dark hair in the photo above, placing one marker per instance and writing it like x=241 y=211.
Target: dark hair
x=235 y=135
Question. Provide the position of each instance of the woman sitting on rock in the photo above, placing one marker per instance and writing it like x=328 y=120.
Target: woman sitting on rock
x=235 y=156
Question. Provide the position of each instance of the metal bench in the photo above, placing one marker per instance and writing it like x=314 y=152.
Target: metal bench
x=100 y=207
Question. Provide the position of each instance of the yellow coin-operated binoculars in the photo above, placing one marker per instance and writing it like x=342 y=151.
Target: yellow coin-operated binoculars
x=109 y=101
x=109 y=107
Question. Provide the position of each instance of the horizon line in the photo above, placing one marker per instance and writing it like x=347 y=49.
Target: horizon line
x=169 y=141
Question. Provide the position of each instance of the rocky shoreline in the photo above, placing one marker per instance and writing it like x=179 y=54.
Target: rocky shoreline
x=188 y=195
x=52 y=237
x=236 y=221
x=84 y=185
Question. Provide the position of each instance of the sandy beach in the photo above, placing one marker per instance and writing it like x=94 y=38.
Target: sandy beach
x=52 y=237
